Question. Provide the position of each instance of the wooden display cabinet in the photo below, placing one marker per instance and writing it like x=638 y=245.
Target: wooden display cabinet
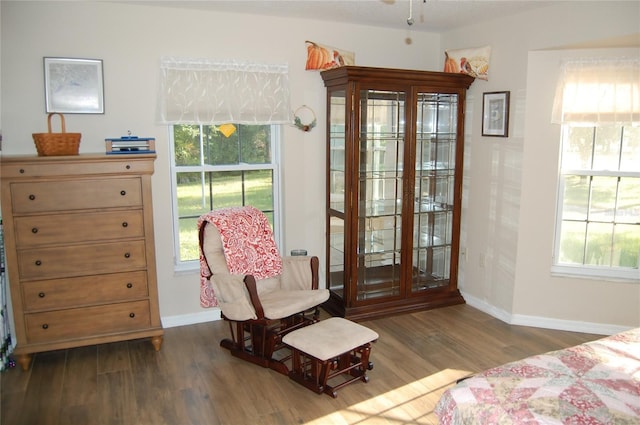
x=394 y=189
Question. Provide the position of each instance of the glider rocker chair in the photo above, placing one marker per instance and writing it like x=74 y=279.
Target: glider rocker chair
x=262 y=295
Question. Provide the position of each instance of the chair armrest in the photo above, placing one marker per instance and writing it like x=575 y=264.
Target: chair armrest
x=233 y=297
x=250 y=283
x=299 y=273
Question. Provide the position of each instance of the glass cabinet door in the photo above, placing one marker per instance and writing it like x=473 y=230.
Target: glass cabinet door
x=380 y=158
x=434 y=189
x=336 y=187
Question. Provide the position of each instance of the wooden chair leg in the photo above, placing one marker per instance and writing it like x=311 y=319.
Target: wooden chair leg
x=236 y=342
x=353 y=365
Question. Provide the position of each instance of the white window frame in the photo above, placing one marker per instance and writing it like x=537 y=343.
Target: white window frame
x=275 y=165
x=582 y=270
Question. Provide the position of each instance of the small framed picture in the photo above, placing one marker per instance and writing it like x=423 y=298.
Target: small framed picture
x=495 y=114
x=73 y=86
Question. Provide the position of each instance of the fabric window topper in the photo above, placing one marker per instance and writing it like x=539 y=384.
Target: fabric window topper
x=473 y=61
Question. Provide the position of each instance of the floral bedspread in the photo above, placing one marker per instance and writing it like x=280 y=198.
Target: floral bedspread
x=593 y=383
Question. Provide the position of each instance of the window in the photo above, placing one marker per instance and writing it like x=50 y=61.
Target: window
x=221 y=166
x=215 y=163
x=599 y=201
x=598 y=216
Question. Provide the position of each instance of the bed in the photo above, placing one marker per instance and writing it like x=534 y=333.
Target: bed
x=593 y=383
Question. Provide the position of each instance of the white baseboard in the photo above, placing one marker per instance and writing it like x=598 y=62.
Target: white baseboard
x=208 y=315
x=543 y=322
x=213 y=314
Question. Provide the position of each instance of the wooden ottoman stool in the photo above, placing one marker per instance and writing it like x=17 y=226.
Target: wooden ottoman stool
x=332 y=348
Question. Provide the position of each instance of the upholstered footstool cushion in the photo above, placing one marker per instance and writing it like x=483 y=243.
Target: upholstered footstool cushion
x=335 y=346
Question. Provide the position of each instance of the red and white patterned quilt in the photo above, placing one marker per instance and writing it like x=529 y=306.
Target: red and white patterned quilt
x=593 y=383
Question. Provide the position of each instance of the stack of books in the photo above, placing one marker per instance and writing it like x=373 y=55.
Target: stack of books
x=130 y=145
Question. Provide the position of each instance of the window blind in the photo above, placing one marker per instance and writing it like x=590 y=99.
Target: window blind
x=598 y=91
x=204 y=91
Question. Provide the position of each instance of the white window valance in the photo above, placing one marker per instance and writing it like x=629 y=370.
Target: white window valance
x=204 y=91
x=598 y=91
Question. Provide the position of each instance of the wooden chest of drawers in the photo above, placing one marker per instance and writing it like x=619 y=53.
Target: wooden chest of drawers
x=80 y=251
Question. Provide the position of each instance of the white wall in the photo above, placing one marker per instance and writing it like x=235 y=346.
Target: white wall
x=614 y=301
x=509 y=192
x=130 y=39
x=500 y=214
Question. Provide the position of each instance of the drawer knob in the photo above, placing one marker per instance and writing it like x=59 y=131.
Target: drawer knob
x=129 y=285
x=34 y=230
x=128 y=167
x=125 y=224
x=123 y=192
x=22 y=171
x=45 y=326
x=127 y=255
x=132 y=315
x=32 y=197
x=41 y=294
x=38 y=263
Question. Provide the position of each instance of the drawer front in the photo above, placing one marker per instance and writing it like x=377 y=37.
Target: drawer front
x=87 y=322
x=70 y=228
x=83 y=291
x=80 y=260
x=65 y=195
x=77 y=165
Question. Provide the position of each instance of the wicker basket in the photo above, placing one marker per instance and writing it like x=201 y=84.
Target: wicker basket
x=57 y=144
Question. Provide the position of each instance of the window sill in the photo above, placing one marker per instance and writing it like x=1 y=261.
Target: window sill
x=593 y=273
x=184 y=268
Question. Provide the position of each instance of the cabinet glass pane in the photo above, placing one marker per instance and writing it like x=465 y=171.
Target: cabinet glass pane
x=434 y=189
x=380 y=154
x=337 y=137
x=336 y=179
x=336 y=255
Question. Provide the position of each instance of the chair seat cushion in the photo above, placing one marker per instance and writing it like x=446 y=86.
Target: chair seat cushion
x=282 y=303
x=330 y=338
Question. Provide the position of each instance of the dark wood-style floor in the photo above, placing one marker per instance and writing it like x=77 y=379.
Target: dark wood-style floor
x=194 y=381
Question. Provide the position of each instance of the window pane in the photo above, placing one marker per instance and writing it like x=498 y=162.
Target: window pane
x=607 y=148
x=236 y=188
x=577 y=148
x=603 y=198
x=259 y=189
x=218 y=148
x=630 y=160
x=572 y=242
x=227 y=188
x=248 y=144
x=576 y=197
x=186 y=144
x=599 y=237
x=626 y=246
x=189 y=239
x=629 y=200
x=193 y=198
x=255 y=143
